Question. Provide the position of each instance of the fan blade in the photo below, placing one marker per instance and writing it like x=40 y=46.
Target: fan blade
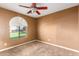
x=38 y=12
x=24 y=6
x=29 y=12
x=42 y=8
x=33 y=4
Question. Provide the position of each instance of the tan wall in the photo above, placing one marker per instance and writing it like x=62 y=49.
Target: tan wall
x=60 y=28
x=5 y=16
x=78 y=23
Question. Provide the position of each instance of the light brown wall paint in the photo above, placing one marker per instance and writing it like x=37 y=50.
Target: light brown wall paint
x=60 y=28
x=5 y=17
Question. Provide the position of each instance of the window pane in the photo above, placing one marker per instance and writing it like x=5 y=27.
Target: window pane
x=18 y=27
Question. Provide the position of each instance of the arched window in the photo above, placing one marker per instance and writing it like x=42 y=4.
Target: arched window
x=18 y=27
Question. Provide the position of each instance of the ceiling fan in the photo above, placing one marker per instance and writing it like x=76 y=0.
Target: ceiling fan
x=33 y=8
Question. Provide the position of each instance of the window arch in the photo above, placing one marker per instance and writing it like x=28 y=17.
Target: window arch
x=18 y=27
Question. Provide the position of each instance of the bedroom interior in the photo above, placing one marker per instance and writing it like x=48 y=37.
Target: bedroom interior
x=30 y=31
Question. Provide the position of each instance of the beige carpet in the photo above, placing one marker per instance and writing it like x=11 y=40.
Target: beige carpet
x=37 y=49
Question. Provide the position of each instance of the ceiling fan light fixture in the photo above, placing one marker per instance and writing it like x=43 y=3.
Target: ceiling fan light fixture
x=34 y=8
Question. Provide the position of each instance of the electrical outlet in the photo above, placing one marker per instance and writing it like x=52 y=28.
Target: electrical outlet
x=5 y=44
x=48 y=39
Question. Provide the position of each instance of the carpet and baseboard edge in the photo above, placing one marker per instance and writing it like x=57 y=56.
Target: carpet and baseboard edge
x=59 y=46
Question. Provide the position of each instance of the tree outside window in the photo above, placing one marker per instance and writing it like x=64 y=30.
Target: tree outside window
x=18 y=27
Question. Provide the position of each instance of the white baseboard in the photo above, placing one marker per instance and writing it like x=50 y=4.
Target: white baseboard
x=74 y=50
x=16 y=45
